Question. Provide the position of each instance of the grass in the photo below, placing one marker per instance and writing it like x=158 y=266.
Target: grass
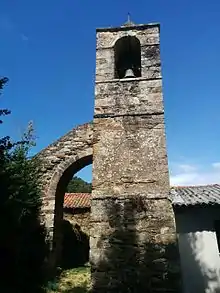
x=71 y=281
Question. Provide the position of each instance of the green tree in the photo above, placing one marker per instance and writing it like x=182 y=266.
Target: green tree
x=3 y=112
x=22 y=246
x=5 y=143
x=79 y=185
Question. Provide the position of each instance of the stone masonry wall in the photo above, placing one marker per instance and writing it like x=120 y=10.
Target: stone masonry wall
x=65 y=151
x=133 y=241
x=59 y=162
x=82 y=219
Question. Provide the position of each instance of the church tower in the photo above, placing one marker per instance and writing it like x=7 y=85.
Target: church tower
x=133 y=241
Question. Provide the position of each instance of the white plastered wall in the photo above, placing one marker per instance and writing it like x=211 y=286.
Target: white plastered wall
x=199 y=254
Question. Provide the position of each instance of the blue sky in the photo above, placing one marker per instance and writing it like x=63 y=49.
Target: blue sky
x=48 y=52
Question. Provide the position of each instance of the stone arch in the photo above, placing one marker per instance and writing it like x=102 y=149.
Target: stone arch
x=59 y=162
x=69 y=167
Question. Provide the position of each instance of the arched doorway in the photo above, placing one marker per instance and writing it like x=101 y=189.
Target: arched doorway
x=76 y=221
x=59 y=201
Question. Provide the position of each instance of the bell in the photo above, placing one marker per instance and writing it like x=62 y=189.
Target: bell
x=129 y=73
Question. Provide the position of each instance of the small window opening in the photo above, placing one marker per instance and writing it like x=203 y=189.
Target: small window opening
x=217 y=231
x=127 y=57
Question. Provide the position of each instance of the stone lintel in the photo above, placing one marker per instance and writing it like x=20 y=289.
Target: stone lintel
x=125 y=196
x=127 y=79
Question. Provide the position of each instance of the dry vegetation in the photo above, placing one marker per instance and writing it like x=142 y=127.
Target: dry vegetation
x=71 y=281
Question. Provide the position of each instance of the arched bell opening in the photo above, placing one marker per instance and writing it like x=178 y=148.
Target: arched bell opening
x=127 y=57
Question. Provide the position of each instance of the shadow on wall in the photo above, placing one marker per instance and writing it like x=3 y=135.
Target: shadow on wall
x=206 y=279
x=200 y=260
x=75 y=246
x=130 y=262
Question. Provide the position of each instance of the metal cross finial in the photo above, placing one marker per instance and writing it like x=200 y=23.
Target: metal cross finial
x=129 y=22
x=129 y=17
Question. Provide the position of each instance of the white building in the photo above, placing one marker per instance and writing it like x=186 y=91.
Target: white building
x=197 y=215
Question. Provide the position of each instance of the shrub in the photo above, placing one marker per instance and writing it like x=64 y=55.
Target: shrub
x=22 y=246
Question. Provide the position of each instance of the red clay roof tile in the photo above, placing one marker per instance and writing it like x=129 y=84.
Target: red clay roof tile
x=77 y=200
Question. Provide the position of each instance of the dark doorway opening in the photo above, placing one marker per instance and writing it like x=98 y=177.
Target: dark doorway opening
x=71 y=242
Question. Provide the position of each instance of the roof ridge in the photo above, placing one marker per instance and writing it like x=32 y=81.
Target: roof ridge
x=192 y=186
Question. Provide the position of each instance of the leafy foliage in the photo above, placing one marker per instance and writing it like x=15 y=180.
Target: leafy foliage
x=79 y=185
x=22 y=245
x=3 y=112
x=75 y=280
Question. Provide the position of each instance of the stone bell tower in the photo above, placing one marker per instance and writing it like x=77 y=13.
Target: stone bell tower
x=132 y=244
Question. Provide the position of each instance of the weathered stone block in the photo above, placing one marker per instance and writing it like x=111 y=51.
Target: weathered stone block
x=122 y=143
x=120 y=98
x=148 y=36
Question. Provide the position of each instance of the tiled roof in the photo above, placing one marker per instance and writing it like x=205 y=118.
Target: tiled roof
x=77 y=200
x=180 y=196
x=195 y=195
